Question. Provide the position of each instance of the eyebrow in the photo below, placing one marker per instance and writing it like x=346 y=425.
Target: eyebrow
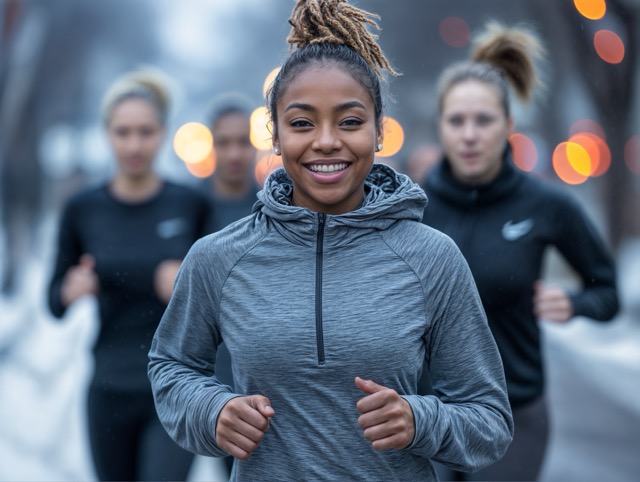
x=338 y=108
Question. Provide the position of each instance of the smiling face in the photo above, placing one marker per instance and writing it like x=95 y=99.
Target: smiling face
x=474 y=130
x=135 y=134
x=327 y=135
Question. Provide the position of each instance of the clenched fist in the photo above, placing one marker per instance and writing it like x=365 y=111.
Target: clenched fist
x=385 y=417
x=79 y=280
x=242 y=424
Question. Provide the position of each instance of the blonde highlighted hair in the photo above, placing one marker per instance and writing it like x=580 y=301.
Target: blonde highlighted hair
x=145 y=83
x=335 y=21
x=332 y=32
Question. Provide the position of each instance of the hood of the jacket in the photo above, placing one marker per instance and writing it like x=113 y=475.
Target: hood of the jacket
x=389 y=197
x=441 y=182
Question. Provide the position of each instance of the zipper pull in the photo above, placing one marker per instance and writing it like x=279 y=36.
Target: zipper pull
x=321 y=221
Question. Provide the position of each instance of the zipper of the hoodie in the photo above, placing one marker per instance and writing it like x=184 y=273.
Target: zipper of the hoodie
x=319 y=254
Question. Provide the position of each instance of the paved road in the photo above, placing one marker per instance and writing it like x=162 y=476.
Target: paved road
x=594 y=394
x=593 y=378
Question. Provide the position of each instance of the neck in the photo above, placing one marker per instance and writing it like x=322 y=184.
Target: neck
x=233 y=189
x=134 y=189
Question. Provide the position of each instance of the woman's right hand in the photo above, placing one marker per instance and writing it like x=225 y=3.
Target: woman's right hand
x=80 y=280
x=242 y=424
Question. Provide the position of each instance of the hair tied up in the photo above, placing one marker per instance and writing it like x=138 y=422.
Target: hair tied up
x=336 y=21
x=513 y=51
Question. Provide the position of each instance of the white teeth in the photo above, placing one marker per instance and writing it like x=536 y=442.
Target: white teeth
x=328 y=167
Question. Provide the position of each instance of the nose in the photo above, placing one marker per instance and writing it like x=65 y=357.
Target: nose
x=327 y=139
x=469 y=131
x=134 y=143
x=237 y=152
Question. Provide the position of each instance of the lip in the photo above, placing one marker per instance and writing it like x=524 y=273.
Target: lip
x=470 y=156
x=136 y=163
x=327 y=177
x=235 y=166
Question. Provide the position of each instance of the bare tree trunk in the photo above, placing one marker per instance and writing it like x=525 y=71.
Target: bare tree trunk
x=19 y=170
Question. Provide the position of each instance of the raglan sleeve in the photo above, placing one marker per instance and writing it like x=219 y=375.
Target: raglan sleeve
x=467 y=424
x=187 y=394
x=581 y=245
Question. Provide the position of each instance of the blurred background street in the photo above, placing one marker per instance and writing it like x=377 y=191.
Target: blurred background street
x=58 y=57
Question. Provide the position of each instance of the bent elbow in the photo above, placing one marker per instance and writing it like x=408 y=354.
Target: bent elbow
x=495 y=447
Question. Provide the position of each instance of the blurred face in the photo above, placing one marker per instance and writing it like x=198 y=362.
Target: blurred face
x=135 y=134
x=233 y=149
x=474 y=131
x=327 y=135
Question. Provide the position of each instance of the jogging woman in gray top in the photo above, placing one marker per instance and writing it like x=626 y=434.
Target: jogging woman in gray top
x=330 y=297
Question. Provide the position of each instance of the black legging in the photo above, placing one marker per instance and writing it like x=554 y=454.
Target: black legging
x=128 y=441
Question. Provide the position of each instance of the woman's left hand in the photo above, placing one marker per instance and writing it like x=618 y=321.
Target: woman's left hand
x=385 y=417
x=551 y=303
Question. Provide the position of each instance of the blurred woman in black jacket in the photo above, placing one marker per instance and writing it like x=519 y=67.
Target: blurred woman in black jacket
x=503 y=221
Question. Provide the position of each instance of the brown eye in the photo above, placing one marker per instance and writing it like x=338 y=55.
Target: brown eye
x=484 y=120
x=147 y=132
x=300 y=123
x=352 y=122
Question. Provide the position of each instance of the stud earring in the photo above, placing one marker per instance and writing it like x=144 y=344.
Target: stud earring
x=379 y=147
x=276 y=151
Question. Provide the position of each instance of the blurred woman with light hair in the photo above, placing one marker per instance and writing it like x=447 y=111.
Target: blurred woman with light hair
x=123 y=242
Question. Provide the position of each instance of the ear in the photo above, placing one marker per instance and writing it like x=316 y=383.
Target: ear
x=276 y=146
x=379 y=135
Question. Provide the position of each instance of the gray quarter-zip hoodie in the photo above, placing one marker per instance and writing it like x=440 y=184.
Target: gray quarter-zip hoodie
x=305 y=303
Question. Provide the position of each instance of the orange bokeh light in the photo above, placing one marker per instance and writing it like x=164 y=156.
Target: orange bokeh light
x=632 y=154
x=265 y=166
x=563 y=167
x=204 y=168
x=193 y=142
x=579 y=158
x=609 y=46
x=269 y=80
x=591 y=9
x=260 y=129
x=587 y=141
x=587 y=125
x=605 y=156
x=525 y=154
x=454 y=31
x=393 y=137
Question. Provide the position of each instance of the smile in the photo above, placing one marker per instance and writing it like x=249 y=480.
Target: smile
x=327 y=167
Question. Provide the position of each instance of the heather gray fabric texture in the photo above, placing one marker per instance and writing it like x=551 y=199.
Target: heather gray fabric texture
x=394 y=293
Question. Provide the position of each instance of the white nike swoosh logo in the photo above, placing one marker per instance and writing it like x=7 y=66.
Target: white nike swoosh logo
x=512 y=231
x=171 y=227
